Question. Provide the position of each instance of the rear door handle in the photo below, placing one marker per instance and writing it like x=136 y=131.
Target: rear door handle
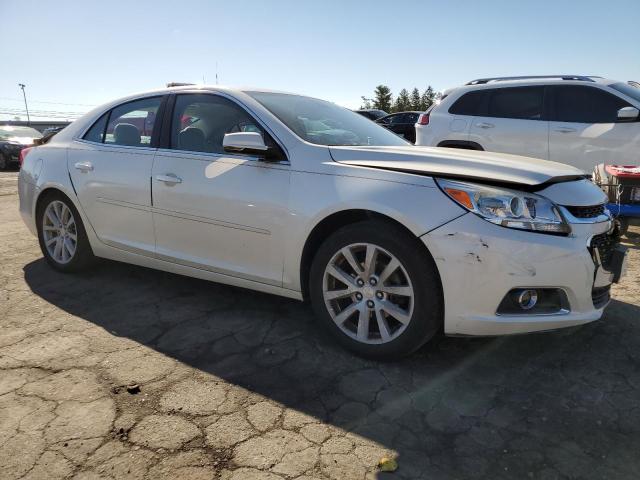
x=564 y=130
x=485 y=125
x=84 y=166
x=169 y=178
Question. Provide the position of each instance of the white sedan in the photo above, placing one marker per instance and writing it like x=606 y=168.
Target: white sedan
x=298 y=197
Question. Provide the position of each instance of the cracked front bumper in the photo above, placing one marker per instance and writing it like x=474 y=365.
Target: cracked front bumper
x=480 y=262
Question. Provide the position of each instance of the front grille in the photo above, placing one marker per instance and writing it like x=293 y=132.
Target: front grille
x=591 y=211
x=605 y=245
x=600 y=296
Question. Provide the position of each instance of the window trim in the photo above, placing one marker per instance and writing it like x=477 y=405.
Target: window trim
x=553 y=113
x=165 y=139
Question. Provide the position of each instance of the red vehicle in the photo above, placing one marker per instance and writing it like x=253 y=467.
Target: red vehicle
x=622 y=185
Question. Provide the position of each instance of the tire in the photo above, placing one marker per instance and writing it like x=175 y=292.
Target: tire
x=413 y=320
x=63 y=260
x=4 y=164
x=623 y=226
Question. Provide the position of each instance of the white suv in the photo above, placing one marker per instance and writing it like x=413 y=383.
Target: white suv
x=578 y=120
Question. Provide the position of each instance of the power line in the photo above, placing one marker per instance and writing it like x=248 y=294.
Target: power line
x=49 y=103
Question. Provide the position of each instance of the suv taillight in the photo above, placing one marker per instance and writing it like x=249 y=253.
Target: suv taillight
x=23 y=154
x=423 y=119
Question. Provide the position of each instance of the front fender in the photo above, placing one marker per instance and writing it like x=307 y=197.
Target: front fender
x=314 y=197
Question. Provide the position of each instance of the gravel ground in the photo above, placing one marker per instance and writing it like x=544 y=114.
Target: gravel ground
x=125 y=372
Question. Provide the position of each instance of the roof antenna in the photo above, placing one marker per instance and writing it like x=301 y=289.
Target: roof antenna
x=216 y=73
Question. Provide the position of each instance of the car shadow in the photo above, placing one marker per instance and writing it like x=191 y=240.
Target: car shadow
x=554 y=405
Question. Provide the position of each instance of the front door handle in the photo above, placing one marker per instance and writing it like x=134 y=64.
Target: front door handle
x=84 y=166
x=169 y=178
x=564 y=130
x=485 y=125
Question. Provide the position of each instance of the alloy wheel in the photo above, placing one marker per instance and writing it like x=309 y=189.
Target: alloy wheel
x=59 y=232
x=368 y=293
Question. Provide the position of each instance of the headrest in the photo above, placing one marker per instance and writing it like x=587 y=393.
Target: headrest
x=191 y=138
x=126 y=134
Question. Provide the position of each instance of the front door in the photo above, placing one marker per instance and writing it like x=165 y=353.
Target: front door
x=217 y=211
x=110 y=168
x=584 y=130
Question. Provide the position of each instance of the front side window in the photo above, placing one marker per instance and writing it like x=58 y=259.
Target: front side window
x=324 y=123
x=525 y=103
x=629 y=90
x=586 y=105
x=132 y=124
x=200 y=122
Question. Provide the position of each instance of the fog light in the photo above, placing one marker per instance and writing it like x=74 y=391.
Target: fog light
x=527 y=299
x=534 y=301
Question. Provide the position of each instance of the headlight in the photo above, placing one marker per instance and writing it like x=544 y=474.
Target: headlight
x=508 y=208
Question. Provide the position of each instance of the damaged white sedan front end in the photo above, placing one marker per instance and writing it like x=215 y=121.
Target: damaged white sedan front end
x=550 y=266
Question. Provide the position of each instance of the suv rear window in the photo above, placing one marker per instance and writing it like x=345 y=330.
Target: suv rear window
x=524 y=103
x=468 y=104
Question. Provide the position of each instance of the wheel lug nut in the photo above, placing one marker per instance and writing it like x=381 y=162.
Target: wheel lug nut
x=370 y=304
x=373 y=281
x=379 y=295
x=358 y=296
x=360 y=282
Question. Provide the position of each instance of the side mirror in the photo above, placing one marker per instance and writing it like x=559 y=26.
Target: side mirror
x=628 y=114
x=250 y=143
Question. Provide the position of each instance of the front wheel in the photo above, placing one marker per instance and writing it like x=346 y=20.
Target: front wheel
x=377 y=290
x=61 y=234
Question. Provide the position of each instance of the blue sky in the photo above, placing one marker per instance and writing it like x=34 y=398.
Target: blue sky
x=79 y=53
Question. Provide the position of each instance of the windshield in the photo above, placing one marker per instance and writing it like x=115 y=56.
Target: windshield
x=325 y=123
x=628 y=90
x=9 y=132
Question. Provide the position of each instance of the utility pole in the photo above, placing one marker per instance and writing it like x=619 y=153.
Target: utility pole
x=22 y=85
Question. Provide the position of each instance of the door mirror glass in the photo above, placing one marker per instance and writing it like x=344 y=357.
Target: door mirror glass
x=250 y=143
x=628 y=114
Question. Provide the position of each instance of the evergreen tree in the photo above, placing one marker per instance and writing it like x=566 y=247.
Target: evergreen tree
x=427 y=99
x=416 y=100
x=366 y=103
x=382 y=98
x=402 y=102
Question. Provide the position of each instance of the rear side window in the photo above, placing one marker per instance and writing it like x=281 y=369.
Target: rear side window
x=132 y=124
x=96 y=132
x=525 y=103
x=468 y=104
x=586 y=105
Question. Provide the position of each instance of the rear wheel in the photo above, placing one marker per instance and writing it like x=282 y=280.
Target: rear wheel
x=61 y=234
x=376 y=289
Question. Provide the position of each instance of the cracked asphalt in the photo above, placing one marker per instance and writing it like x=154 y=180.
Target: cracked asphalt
x=125 y=372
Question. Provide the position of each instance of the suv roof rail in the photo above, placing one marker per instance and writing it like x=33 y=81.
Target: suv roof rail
x=480 y=81
x=178 y=84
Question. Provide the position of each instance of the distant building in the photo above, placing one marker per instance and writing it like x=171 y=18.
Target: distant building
x=39 y=125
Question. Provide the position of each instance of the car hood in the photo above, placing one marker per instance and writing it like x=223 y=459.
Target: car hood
x=488 y=167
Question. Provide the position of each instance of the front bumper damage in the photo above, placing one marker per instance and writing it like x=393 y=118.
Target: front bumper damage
x=480 y=263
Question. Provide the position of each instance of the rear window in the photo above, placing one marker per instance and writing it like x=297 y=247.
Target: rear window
x=468 y=104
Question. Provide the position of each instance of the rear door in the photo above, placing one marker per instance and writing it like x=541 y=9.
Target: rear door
x=584 y=130
x=512 y=120
x=110 y=168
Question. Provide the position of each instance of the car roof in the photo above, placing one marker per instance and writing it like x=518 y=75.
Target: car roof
x=530 y=81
